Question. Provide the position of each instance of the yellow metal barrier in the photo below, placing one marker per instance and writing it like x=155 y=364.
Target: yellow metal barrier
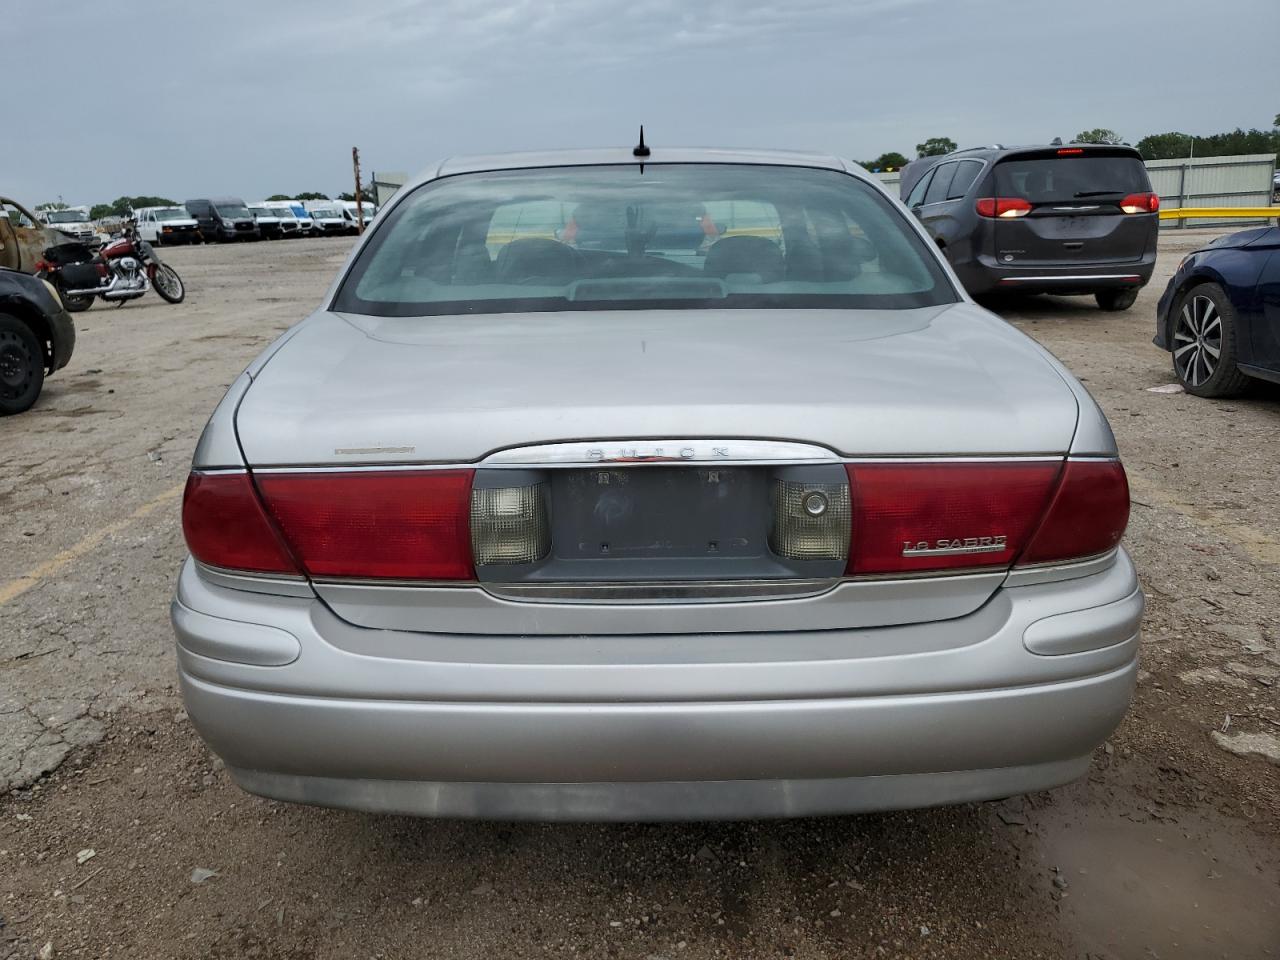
x=1220 y=213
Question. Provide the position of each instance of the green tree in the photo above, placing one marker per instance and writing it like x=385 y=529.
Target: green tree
x=887 y=161
x=1276 y=121
x=1098 y=135
x=311 y=196
x=51 y=205
x=120 y=206
x=100 y=210
x=1171 y=146
x=278 y=196
x=935 y=147
x=1164 y=146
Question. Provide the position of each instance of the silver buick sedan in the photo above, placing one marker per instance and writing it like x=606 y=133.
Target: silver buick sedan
x=678 y=486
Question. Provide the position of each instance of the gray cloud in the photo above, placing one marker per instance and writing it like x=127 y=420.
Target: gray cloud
x=257 y=98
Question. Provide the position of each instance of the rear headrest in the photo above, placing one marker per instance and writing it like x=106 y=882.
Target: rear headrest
x=758 y=255
x=536 y=259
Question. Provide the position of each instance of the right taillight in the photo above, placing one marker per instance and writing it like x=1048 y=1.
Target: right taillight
x=935 y=517
x=1002 y=207
x=1087 y=516
x=924 y=517
x=1140 y=203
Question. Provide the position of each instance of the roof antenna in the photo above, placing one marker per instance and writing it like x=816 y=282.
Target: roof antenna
x=640 y=149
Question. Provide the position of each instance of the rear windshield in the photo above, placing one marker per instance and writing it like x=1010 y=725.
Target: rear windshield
x=613 y=237
x=1058 y=179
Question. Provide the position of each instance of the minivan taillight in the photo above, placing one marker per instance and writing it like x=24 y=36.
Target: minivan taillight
x=1140 y=203
x=375 y=524
x=927 y=517
x=1005 y=207
x=225 y=526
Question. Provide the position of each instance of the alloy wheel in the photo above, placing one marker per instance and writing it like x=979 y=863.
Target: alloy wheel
x=1197 y=340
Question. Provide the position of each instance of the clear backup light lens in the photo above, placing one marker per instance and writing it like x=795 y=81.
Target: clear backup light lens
x=811 y=521
x=509 y=525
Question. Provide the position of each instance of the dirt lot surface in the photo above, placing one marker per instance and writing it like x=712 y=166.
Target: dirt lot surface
x=114 y=809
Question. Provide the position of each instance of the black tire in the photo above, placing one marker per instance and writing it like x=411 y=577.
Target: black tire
x=76 y=304
x=1114 y=301
x=21 y=366
x=177 y=290
x=1204 y=321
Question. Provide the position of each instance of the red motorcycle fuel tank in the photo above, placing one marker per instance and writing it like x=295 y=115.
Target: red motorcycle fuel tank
x=122 y=247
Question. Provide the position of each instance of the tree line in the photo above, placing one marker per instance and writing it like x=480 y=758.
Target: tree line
x=1154 y=146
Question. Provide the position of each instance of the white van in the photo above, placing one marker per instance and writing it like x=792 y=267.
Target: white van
x=351 y=210
x=327 y=215
x=306 y=226
x=160 y=225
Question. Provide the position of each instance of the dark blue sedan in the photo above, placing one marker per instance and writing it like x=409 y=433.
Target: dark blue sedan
x=1220 y=314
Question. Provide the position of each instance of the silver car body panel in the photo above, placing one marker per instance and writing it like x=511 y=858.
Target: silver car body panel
x=500 y=701
x=388 y=720
x=934 y=381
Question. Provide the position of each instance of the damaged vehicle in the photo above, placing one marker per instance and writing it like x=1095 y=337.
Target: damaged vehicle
x=24 y=238
x=73 y=223
x=654 y=484
x=37 y=337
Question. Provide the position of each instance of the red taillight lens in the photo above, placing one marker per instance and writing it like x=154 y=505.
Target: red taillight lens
x=1088 y=515
x=1140 y=203
x=1007 y=207
x=402 y=525
x=225 y=526
x=916 y=517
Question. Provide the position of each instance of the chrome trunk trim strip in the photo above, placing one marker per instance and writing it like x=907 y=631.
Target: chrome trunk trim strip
x=710 y=591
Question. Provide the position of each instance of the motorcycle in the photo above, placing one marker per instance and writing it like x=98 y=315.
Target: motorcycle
x=124 y=269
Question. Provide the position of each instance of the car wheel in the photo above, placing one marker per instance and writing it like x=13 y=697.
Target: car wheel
x=1115 y=300
x=21 y=366
x=78 y=304
x=1205 y=329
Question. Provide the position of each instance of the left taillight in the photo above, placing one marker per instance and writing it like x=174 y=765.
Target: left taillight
x=1005 y=208
x=225 y=526
x=1140 y=203
x=378 y=525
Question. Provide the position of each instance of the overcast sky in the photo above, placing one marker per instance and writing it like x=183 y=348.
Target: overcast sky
x=254 y=98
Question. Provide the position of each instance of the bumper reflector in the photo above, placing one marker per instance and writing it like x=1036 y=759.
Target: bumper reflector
x=509 y=524
x=811 y=521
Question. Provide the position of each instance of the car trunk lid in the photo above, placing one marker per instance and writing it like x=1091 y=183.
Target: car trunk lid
x=951 y=380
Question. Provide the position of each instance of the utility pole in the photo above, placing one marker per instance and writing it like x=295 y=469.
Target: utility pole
x=355 y=164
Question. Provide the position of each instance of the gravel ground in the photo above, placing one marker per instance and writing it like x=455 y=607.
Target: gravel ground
x=1169 y=848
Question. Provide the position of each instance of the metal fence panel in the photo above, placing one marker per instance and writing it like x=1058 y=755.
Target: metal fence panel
x=1239 y=181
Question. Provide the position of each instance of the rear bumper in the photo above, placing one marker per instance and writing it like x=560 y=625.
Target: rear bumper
x=326 y=725
x=985 y=275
